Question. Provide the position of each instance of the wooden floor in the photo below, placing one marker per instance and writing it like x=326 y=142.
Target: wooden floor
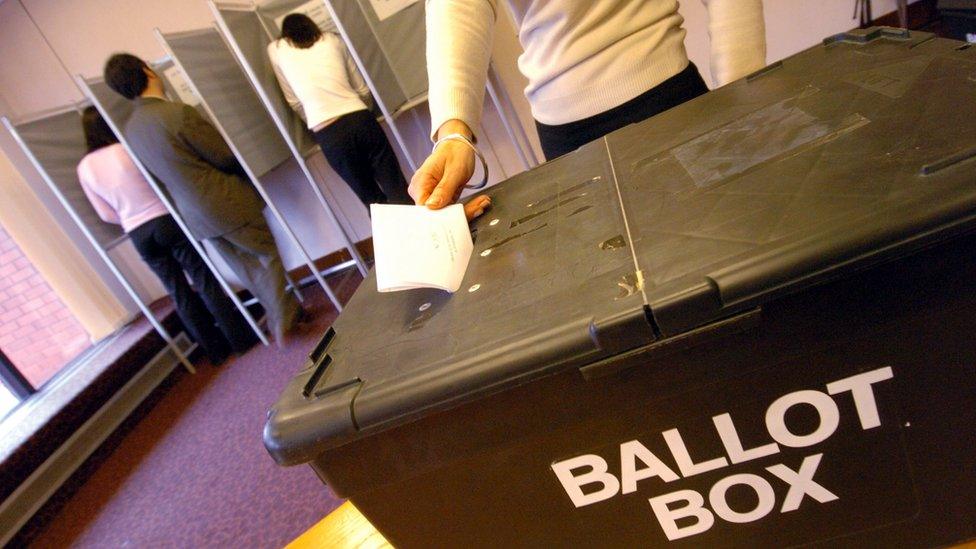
x=347 y=528
x=344 y=528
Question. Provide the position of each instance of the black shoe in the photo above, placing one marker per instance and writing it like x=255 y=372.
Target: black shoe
x=244 y=344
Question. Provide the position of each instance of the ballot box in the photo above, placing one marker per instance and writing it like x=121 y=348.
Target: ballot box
x=748 y=321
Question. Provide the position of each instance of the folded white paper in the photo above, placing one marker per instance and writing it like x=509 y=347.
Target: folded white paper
x=416 y=247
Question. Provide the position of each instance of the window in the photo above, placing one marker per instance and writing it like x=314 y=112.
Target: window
x=38 y=334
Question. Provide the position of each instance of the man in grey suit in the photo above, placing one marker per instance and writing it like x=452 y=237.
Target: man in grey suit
x=187 y=155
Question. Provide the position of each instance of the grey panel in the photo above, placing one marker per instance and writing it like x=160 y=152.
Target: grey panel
x=211 y=67
x=250 y=36
x=391 y=50
x=58 y=144
x=403 y=39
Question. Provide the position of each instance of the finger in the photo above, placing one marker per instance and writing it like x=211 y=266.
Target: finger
x=456 y=174
x=476 y=206
x=421 y=185
x=472 y=210
x=443 y=193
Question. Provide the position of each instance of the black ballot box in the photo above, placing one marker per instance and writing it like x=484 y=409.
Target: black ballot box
x=748 y=321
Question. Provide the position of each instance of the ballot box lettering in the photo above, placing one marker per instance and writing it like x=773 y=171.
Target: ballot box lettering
x=744 y=322
x=757 y=465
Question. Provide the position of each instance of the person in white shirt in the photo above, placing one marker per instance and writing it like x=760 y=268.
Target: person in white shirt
x=320 y=81
x=592 y=66
x=121 y=195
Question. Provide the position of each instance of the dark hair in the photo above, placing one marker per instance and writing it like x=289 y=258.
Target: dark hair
x=97 y=132
x=125 y=73
x=300 y=30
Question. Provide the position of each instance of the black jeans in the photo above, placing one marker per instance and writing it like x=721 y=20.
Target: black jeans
x=564 y=138
x=357 y=149
x=169 y=254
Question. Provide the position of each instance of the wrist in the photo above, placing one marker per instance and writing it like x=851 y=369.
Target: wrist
x=465 y=142
x=455 y=126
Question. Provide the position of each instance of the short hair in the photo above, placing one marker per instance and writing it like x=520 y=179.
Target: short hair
x=97 y=132
x=300 y=30
x=125 y=73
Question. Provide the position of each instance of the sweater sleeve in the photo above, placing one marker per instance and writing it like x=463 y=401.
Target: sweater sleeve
x=286 y=88
x=459 y=38
x=738 y=38
x=104 y=210
x=356 y=79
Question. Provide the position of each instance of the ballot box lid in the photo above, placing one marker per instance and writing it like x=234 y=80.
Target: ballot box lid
x=846 y=154
x=551 y=283
x=851 y=153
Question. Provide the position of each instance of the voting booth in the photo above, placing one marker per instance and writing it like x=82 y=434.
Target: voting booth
x=387 y=39
x=54 y=142
x=385 y=51
x=116 y=110
x=744 y=322
x=225 y=94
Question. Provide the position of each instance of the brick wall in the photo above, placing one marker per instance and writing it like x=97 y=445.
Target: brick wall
x=37 y=332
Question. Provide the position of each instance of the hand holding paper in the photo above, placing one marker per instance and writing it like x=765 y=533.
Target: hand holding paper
x=416 y=247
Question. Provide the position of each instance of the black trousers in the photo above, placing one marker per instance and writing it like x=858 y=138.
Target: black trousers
x=207 y=313
x=564 y=138
x=357 y=149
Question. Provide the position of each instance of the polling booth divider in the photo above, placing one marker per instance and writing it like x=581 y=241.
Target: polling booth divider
x=214 y=75
x=250 y=27
x=387 y=44
x=55 y=144
x=244 y=34
x=116 y=110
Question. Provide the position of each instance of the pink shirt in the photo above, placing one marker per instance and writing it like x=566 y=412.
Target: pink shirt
x=117 y=189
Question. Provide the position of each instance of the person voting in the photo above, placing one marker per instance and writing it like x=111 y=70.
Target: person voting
x=320 y=81
x=121 y=195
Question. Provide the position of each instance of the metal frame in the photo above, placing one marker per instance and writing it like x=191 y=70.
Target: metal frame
x=247 y=169
x=86 y=89
x=282 y=127
x=391 y=121
x=144 y=307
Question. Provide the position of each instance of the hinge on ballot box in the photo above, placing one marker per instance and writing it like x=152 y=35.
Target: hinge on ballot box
x=659 y=350
x=863 y=36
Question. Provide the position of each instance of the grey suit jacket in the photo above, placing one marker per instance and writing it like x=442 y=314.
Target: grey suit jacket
x=187 y=155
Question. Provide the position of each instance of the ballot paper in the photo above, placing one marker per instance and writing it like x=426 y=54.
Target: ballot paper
x=416 y=247
x=181 y=86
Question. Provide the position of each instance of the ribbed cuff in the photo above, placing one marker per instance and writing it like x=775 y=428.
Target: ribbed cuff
x=455 y=104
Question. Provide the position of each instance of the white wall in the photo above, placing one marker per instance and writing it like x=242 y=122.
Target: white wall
x=791 y=26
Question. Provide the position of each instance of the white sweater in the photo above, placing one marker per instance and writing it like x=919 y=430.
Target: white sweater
x=582 y=57
x=321 y=82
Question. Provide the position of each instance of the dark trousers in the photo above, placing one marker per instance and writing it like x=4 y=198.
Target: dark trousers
x=357 y=149
x=251 y=252
x=207 y=313
x=564 y=138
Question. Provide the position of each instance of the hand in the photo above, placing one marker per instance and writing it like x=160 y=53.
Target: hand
x=442 y=177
